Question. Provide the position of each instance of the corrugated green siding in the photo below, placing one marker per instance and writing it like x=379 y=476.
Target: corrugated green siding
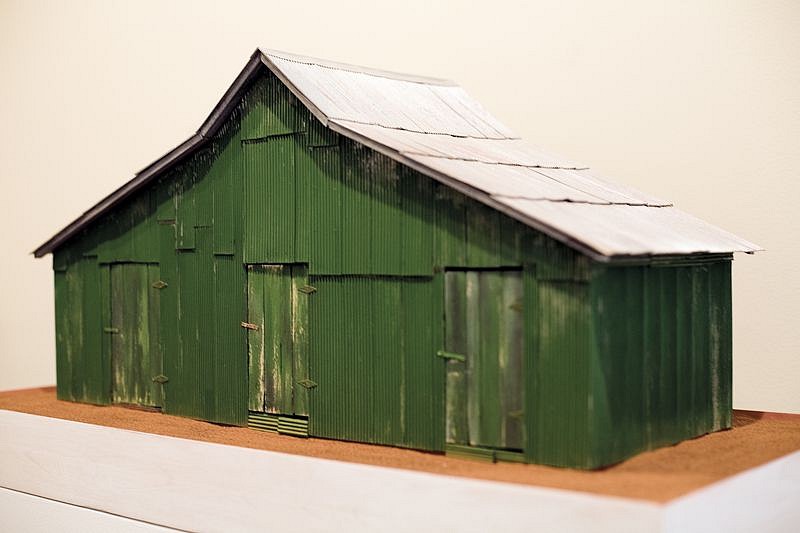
x=320 y=168
x=269 y=109
x=422 y=312
x=663 y=356
x=373 y=354
x=607 y=351
x=82 y=365
x=270 y=199
x=557 y=411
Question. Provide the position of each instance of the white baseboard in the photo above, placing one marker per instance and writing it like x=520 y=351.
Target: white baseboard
x=200 y=486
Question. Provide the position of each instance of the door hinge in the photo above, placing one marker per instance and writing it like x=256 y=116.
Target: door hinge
x=160 y=379
x=110 y=330
x=159 y=284
x=451 y=355
x=248 y=325
x=307 y=383
x=307 y=289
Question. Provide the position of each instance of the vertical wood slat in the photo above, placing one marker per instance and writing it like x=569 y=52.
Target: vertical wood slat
x=255 y=337
x=472 y=353
x=299 y=302
x=278 y=338
x=486 y=303
x=455 y=341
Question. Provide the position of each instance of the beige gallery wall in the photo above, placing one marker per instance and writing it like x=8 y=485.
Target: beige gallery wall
x=698 y=102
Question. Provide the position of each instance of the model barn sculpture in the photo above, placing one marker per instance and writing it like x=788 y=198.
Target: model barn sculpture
x=356 y=254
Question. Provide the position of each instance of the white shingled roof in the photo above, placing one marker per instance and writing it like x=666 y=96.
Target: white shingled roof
x=434 y=126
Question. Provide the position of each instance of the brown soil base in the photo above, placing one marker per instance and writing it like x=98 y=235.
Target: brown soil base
x=658 y=476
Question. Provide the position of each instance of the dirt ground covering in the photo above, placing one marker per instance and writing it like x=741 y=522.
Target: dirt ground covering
x=657 y=476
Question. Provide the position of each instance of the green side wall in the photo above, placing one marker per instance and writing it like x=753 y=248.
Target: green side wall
x=661 y=360
x=274 y=186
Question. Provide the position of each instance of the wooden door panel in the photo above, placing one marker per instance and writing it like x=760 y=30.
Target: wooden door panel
x=484 y=325
x=277 y=338
x=136 y=360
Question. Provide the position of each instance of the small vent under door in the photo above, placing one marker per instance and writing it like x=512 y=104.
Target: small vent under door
x=478 y=453
x=282 y=424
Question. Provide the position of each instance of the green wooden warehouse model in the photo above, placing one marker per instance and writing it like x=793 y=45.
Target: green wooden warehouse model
x=356 y=254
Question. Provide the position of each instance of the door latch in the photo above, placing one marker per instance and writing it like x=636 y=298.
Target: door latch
x=307 y=289
x=307 y=383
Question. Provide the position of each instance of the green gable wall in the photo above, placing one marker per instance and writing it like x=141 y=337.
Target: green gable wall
x=606 y=349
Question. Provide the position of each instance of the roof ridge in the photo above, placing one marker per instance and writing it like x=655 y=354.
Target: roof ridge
x=357 y=69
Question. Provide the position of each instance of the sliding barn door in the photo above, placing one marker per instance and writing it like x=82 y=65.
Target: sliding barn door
x=483 y=346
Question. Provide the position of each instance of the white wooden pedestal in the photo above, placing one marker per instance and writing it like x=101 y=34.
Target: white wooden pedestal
x=68 y=476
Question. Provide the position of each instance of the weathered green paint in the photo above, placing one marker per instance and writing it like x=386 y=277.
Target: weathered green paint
x=135 y=347
x=82 y=363
x=483 y=321
x=256 y=338
x=612 y=359
x=277 y=338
